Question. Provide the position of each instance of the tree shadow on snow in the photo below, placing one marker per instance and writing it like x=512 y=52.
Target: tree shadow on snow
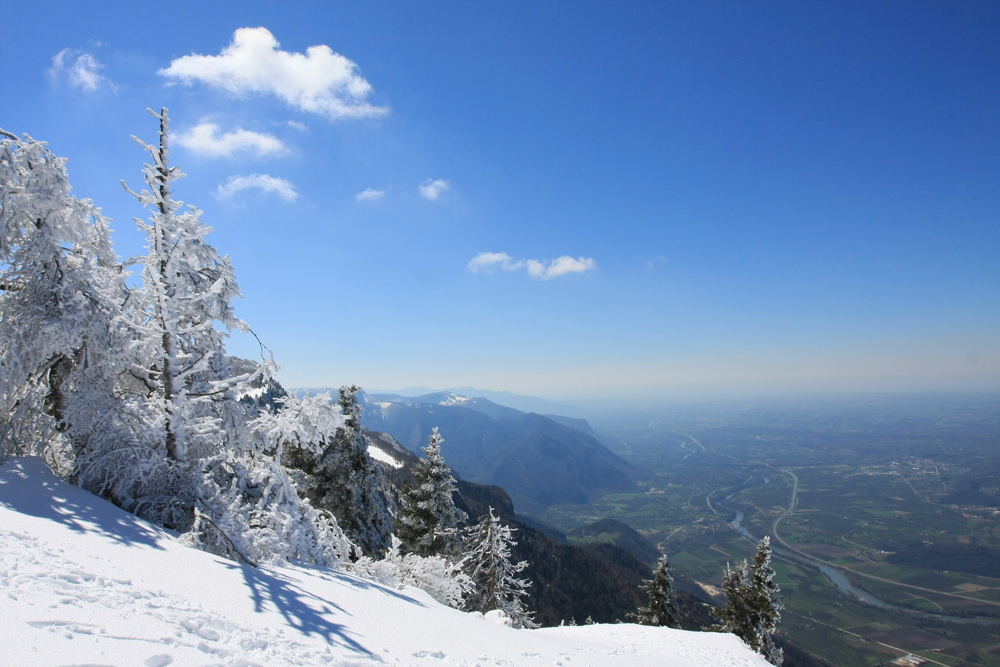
x=358 y=582
x=28 y=486
x=303 y=611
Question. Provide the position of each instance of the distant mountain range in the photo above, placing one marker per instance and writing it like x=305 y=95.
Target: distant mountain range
x=504 y=398
x=540 y=460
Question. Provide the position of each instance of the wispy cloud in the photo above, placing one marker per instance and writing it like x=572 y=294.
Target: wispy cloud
x=295 y=125
x=370 y=194
x=651 y=263
x=432 y=189
x=81 y=69
x=206 y=140
x=319 y=81
x=487 y=262
x=278 y=186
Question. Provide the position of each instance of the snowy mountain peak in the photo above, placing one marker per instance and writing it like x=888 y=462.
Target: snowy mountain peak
x=454 y=399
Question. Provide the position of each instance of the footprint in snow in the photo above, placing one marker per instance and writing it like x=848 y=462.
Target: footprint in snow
x=429 y=654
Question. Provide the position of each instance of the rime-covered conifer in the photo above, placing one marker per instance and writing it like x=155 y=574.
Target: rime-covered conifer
x=752 y=608
x=763 y=593
x=188 y=288
x=427 y=521
x=662 y=609
x=214 y=468
x=487 y=561
x=345 y=481
x=736 y=616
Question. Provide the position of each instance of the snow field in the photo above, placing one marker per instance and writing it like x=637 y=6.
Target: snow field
x=83 y=583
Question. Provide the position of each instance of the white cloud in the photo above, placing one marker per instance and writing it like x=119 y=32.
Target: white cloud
x=432 y=189
x=319 y=81
x=487 y=262
x=279 y=186
x=371 y=194
x=80 y=68
x=565 y=265
x=205 y=139
x=296 y=125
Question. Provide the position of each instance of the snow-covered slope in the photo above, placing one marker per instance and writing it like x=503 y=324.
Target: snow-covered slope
x=84 y=583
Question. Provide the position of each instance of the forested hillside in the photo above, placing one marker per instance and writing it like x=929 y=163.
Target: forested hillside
x=536 y=459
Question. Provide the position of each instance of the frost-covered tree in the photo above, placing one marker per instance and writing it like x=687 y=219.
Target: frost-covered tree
x=61 y=296
x=345 y=481
x=487 y=561
x=129 y=392
x=753 y=608
x=662 y=608
x=765 y=603
x=211 y=464
x=188 y=288
x=427 y=521
x=736 y=617
x=443 y=580
x=267 y=509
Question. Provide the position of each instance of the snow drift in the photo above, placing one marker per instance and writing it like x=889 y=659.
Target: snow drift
x=85 y=583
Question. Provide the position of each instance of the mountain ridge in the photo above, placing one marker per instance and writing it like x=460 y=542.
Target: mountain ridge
x=538 y=460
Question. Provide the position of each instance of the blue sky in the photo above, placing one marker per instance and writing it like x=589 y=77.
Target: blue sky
x=746 y=197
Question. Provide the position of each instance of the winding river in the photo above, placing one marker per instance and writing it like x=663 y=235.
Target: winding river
x=843 y=584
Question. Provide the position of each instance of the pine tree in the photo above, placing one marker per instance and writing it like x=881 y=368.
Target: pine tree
x=487 y=561
x=215 y=469
x=763 y=593
x=345 y=481
x=752 y=608
x=427 y=521
x=736 y=616
x=188 y=287
x=662 y=609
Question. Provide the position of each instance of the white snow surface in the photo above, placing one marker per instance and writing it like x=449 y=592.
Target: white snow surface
x=84 y=583
x=384 y=457
x=455 y=399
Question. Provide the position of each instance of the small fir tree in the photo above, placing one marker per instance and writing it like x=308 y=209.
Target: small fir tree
x=662 y=609
x=763 y=593
x=345 y=481
x=487 y=561
x=735 y=616
x=427 y=522
x=752 y=608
